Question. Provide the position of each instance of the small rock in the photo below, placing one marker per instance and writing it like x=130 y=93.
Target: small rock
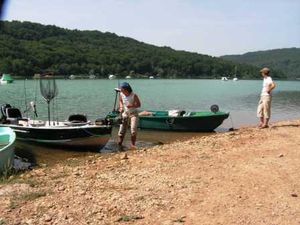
x=82 y=192
x=61 y=188
x=47 y=218
x=280 y=156
x=294 y=195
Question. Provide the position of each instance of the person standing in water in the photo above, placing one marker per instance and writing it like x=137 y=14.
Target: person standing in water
x=264 y=105
x=129 y=102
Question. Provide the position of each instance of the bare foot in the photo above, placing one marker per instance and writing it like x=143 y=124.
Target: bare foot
x=263 y=127
x=133 y=147
x=120 y=147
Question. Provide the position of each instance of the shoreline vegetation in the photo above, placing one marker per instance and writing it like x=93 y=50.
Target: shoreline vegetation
x=247 y=176
x=29 y=48
x=86 y=77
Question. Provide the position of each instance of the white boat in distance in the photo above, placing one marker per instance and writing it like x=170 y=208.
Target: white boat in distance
x=224 y=79
x=111 y=76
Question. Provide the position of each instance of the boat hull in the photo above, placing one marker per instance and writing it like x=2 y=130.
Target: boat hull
x=7 y=144
x=201 y=122
x=5 y=82
x=88 y=137
x=191 y=122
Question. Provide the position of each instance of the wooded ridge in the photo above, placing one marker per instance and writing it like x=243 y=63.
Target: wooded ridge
x=286 y=60
x=28 y=48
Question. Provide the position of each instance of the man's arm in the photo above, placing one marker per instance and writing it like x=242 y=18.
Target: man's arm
x=121 y=105
x=271 y=87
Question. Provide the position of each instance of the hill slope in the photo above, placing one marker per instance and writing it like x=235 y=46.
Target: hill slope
x=27 y=48
x=286 y=60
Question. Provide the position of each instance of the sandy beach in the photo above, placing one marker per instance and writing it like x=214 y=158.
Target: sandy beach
x=247 y=176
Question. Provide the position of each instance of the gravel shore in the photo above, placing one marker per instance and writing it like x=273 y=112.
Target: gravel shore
x=247 y=176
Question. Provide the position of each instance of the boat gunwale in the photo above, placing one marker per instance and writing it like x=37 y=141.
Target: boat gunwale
x=14 y=126
x=209 y=114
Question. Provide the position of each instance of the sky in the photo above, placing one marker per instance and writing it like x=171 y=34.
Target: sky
x=211 y=27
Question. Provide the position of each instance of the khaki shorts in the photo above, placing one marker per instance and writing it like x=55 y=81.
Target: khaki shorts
x=131 y=119
x=264 y=107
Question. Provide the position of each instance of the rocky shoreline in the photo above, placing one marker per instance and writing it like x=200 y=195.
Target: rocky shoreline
x=247 y=176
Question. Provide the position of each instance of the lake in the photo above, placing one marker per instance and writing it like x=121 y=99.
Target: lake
x=96 y=97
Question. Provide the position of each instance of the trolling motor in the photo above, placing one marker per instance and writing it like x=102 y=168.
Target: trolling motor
x=114 y=117
x=33 y=107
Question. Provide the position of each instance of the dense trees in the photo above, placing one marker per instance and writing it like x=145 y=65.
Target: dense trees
x=27 y=48
x=286 y=60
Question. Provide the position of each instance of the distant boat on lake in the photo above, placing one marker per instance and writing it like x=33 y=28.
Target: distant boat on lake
x=72 y=77
x=111 y=77
x=92 y=76
x=128 y=77
x=151 y=77
x=235 y=79
x=6 y=79
x=224 y=79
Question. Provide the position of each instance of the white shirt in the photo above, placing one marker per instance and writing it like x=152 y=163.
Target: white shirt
x=266 y=83
x=128 y=100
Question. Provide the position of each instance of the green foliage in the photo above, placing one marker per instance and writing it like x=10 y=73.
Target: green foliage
x=284 y=61
x=27 y=48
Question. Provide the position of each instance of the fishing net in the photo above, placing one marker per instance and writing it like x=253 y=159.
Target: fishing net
x=48 y=88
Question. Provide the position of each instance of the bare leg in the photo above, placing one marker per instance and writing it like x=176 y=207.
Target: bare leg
x=261 y=122
x=133 y=140
x=266 y=123
x=120 y=141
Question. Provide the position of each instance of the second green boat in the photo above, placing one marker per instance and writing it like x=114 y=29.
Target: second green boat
x=189 y=122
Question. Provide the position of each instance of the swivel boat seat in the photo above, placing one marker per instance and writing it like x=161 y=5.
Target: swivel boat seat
x=77 y=120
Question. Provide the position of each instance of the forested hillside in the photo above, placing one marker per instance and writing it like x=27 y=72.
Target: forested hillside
x=286 y=60
x=27 y=48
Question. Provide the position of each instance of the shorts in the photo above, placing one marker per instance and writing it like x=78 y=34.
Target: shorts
x=264 y=107
x=131 y=119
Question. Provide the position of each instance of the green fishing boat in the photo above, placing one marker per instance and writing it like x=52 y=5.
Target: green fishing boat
x=7 y=142
x=182 y=121
x=176 y=120
x=6 y=79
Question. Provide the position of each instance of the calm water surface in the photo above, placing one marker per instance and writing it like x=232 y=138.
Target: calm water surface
x=96 y=97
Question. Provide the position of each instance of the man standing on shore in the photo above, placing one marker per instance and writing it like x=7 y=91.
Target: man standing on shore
x=264 y=105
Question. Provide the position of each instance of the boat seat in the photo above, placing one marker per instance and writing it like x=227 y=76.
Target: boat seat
x=13 y=115
x=77 y=120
